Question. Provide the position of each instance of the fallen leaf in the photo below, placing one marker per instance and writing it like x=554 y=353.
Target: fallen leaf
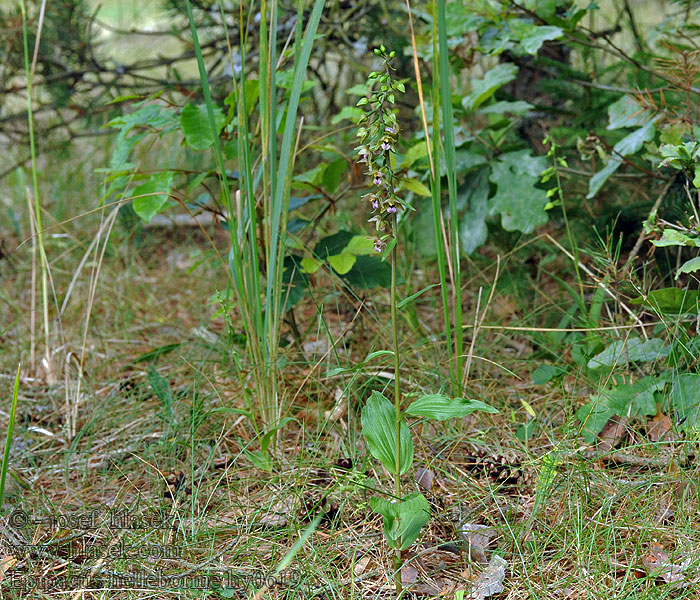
x=659 y=427
x=409 y=575
x=490 y=581
x=424 y=478
x=361 y=565
x=6 y=563
x=479 y=538
x=613 y=433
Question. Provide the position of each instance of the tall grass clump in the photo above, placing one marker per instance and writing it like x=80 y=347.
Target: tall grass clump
x=256 y=262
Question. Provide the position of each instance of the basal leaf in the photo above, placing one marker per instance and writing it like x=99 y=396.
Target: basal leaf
x=685 y=400
x=621 y=400
x=402 y=520
x=441 y=407
x=378 y=427
x=631 y=350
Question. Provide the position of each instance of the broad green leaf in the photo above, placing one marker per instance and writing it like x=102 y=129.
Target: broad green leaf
x=673 y=237
x=333 y=244
x=415 y=186
x=625 y=112
x=360 y=244
x=623 y=400
x=696 y=178
x=671 y=301
x=473 y=195
x=689 y=266
x=343 y=262
x=517 y=108
x=157 y=194
x=685 y=400
x=533 y=41
x=351 y=113
x=379 y=428
x=370 y=272
x=333 y=174
x=403 y=520
x=194 y=122
x=295 y=281
x=415 y=152
x=483 y=89
x=441 y=407
x=631 y=350
x=545 y=373
x=465 y=160
x=628 y=145
x=312 y=176
x=310 y=265
x=520 y=204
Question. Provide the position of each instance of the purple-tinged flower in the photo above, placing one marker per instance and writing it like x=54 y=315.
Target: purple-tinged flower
x=378 y=179
x=375 y=205
x=386 y=146
x=378 y=245
x=389 y=129
x=391 y=209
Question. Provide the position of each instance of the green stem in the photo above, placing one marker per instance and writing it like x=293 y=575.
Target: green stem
x=397 y=399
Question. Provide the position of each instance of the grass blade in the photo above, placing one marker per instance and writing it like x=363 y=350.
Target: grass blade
x=8 y=439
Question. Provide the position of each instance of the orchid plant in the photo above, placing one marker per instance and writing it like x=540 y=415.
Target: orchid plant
x=383 y=426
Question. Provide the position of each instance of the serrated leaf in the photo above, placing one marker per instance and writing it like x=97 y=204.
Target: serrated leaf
x=157 y=194
x=625 y=112
x=533 y=41
x=378 y=427
x=673 y=237
x=441 y=407
x=631 y=350
x=403 y=520
x=343 y=262
x=623 y=400
x=517 y=200
x=689 y=266
x=517 y=108
x=483 y=89
x=628 y=145
x=671 y=301
x=194 y=122
x=474 y=194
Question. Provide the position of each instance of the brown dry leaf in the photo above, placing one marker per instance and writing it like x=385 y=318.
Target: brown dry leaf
x=660 y=426
x=479 y=538
x=657 y=563
x=361 y=565
x=424 y=478
x=613 y=433
x=409 y=575
x=6 y=563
